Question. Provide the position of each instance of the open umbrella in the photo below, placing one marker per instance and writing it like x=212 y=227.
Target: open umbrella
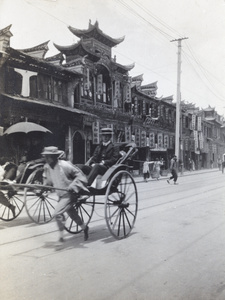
x=25 y=127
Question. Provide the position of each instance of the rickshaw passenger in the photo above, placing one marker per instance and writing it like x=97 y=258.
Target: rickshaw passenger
x=62 y=174
x=7 y=171
x=105 y=156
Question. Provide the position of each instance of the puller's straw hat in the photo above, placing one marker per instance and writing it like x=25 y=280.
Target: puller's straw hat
x=52 y=150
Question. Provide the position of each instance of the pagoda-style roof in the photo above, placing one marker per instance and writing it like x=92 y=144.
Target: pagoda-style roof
x=149 y=86
x=122 y=68
x=55 y=59
x=6 y=31
x=137 y=78
x=94 y=32
x=209 y=108
x=78 y=49
x=36 y=51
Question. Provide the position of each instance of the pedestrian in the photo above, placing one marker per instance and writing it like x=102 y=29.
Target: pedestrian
x=62 y=174
x=190 y=164
x=223 y=166
x=173 y=170
x=211 y=163
x=146 y=170
x=156 y=168
x=219 y=162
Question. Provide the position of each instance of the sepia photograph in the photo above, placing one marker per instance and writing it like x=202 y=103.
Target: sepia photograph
x=112 y=149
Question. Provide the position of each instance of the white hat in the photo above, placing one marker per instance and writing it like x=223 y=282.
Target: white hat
x=52 y=150
x=107 y=131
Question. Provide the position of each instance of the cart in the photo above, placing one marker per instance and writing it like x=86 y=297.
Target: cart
x=116 y=189
x=16 y=196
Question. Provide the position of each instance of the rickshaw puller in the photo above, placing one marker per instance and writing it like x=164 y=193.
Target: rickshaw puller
x=64 y=175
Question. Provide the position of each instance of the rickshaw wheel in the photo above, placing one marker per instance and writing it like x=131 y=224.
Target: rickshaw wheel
x=85 y=209
x=39 y=204
x=15 y=199
x=121 y=204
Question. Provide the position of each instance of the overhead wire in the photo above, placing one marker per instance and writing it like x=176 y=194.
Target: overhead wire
x=159 y=30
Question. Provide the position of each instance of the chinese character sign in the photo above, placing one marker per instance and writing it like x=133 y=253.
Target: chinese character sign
x=196 y=139
x=160 y=140
x=127 y=134
x=193 y=122
x=201 y=146
x=171 y=142
x=95 y=131
x=199 y=124
x=143 y=138
x=138 y=137
x=152 y=140
x=100 y=84
x=166 y=141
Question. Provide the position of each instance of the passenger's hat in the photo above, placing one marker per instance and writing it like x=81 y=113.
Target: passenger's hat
x=52 y=150
x=107 y=131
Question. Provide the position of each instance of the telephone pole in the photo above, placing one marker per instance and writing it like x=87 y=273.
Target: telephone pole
x=178 y=106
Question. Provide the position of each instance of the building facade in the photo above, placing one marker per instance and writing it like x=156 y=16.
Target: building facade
x=83 y=88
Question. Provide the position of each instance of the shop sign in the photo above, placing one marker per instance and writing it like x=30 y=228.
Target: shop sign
x=199 y=123
x=160 y=140
x=201 y=140
x=166 y=141
x=138 y=137
x=171 y=142
x=95 y=132
x=196 y=138
x=193 y=122
x=100 y=84
x=152 y=140
x=127 y=134
x=143 y=138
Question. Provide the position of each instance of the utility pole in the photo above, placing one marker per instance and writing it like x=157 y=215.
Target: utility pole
x=178 y=107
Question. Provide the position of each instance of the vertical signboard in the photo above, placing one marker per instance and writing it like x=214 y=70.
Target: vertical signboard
x=201 y=146
x=199 y=125
x=166 y=141
x=143 y=138
x=127 y=134
x=95 y=132
x=193 y=122
x=151 y=139
x=171 y=142
x=138 y=137
x=100 y=84
x=160 y=140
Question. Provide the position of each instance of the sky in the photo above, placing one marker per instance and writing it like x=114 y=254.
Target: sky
x=151 y=29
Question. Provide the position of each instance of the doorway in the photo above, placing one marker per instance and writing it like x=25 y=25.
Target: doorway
x=78 y=148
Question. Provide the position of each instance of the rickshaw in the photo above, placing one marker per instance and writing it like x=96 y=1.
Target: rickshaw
x=16 y=197
x=116 y=188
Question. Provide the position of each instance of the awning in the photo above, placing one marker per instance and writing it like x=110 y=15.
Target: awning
x=48 y=104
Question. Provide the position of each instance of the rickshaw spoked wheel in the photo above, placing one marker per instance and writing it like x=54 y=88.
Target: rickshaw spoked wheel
x=15 y=199
x=85 y=209
x=121 y=204
x=39 y=203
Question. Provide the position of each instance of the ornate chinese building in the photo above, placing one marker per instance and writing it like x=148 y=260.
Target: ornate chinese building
x=83 y=88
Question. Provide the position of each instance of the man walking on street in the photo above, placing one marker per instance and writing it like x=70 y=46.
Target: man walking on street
x=173 y=170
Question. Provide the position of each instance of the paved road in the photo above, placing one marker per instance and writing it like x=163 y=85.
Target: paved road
x=176 y=250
